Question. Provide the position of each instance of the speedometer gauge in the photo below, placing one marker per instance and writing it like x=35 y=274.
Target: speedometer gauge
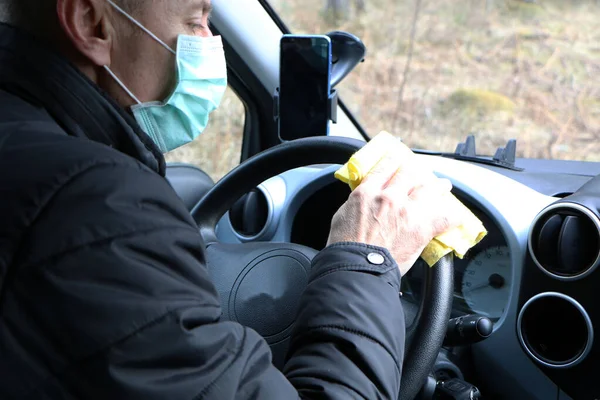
x=486 y=281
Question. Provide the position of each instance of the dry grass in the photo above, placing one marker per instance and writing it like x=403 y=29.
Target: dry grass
x=542 y=58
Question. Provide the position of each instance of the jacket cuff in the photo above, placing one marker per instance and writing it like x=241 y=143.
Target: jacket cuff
x=359 y=257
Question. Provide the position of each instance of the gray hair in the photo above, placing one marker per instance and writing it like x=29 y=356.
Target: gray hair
x=39 y=16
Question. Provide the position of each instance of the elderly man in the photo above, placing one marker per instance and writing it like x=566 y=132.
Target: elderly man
x=104 y=292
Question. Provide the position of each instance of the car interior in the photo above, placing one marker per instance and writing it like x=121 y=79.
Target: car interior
x=515 y=318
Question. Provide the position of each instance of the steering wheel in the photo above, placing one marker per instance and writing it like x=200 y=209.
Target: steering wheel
x=260 y=283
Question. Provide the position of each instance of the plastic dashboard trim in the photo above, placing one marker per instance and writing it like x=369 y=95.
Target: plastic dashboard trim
x=510 y=204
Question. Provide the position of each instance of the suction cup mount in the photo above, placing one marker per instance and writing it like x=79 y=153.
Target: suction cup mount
x=347 y=51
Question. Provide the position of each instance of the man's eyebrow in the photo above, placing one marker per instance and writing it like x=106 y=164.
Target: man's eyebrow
x=208 y=7
x=204 y=5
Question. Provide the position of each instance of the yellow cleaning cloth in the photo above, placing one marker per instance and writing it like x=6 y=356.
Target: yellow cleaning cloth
x=459 y=239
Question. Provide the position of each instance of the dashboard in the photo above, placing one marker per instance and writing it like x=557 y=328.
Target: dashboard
x=488 y=281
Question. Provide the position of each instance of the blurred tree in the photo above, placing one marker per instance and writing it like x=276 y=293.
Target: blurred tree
x=340 y=9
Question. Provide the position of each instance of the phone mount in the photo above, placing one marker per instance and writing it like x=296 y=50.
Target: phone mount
x=347 y=51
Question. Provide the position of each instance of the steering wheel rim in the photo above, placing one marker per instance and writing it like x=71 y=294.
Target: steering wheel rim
x=426 y=334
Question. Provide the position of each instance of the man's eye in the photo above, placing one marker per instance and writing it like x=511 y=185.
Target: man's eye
x=197 y=28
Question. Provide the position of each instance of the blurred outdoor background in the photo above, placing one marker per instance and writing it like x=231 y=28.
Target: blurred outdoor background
x=438 y=70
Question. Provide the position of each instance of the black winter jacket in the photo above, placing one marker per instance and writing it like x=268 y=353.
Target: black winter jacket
x=104 y=293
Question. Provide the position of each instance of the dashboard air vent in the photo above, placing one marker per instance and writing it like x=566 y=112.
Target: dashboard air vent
x=250 y=214
x=564 y=241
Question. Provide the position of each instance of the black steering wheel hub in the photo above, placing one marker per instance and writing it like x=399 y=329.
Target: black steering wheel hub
x=266 y=294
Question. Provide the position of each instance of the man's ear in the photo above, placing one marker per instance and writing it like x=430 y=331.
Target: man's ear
x=86 y=23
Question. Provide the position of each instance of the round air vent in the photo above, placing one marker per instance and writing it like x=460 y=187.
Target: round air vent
x=250 y=214
x=555 y=330
x=564 y=241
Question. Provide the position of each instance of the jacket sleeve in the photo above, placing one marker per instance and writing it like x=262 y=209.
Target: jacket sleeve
x=129 y=311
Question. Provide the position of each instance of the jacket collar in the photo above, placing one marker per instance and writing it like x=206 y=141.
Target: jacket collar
x=79 y=106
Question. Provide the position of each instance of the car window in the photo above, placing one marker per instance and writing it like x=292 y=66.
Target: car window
x=439 y=70
x=218 y=149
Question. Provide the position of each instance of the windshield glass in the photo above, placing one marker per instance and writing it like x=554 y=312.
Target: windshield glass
x=439 y=70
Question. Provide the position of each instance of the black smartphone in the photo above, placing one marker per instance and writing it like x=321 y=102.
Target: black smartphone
x=304 y=86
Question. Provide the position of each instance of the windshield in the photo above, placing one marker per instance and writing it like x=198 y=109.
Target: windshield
x=439 y=70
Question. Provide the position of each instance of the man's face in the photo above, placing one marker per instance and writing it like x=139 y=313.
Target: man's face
x=143 y=64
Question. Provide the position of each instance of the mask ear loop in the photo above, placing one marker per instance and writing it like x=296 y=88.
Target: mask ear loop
x=152 y=35
x=142 y=27
x=129 y=92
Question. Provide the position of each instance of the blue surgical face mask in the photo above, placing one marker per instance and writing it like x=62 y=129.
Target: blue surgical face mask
x=201 y=83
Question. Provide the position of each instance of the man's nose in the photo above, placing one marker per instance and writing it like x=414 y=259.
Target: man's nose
x=205 y=33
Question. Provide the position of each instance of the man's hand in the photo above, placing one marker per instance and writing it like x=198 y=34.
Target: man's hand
x=400 y=211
